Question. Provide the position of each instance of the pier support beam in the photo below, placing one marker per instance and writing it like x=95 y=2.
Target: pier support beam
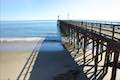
x=96 y=58
x=93 y=45
x=84 y=48
x=115 y=64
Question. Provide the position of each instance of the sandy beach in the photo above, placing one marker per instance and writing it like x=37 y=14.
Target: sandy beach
x=13 y=56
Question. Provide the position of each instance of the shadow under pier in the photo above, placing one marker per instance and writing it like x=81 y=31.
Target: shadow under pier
x=54 y=62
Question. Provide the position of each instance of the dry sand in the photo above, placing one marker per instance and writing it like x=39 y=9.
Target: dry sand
x=13 y=56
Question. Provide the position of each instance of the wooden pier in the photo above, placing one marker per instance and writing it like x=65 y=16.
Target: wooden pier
x=101 y=41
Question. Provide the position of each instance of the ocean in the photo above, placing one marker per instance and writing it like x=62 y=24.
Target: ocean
x=30 y=30
x=27 y=30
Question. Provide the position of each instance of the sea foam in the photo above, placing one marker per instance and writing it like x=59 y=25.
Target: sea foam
x=28 y=39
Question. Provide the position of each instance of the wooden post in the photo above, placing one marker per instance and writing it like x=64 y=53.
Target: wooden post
x=114 y=67
x=74 y=37
x=100 y=29
x=69 y=35
x=113 y=31
x=77 y=33
x=101 y=49
x=93 y=45
x=96 y=58
x=105 y=68
x=84 y=47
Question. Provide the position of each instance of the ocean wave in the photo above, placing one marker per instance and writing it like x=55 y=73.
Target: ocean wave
x=21 y=39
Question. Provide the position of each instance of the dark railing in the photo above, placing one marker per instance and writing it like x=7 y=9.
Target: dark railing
x=101 y=38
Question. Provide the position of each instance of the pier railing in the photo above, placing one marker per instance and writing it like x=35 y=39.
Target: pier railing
x=101 y=39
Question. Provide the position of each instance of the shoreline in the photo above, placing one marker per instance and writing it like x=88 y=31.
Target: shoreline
x=13 y=56
x=18 y=39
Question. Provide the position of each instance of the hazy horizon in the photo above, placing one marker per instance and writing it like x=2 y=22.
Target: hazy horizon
x=107 y=10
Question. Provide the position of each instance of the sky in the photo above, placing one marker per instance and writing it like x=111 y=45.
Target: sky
x=66 y=9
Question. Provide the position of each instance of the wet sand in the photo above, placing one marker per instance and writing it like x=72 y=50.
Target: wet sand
x=13 y=56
